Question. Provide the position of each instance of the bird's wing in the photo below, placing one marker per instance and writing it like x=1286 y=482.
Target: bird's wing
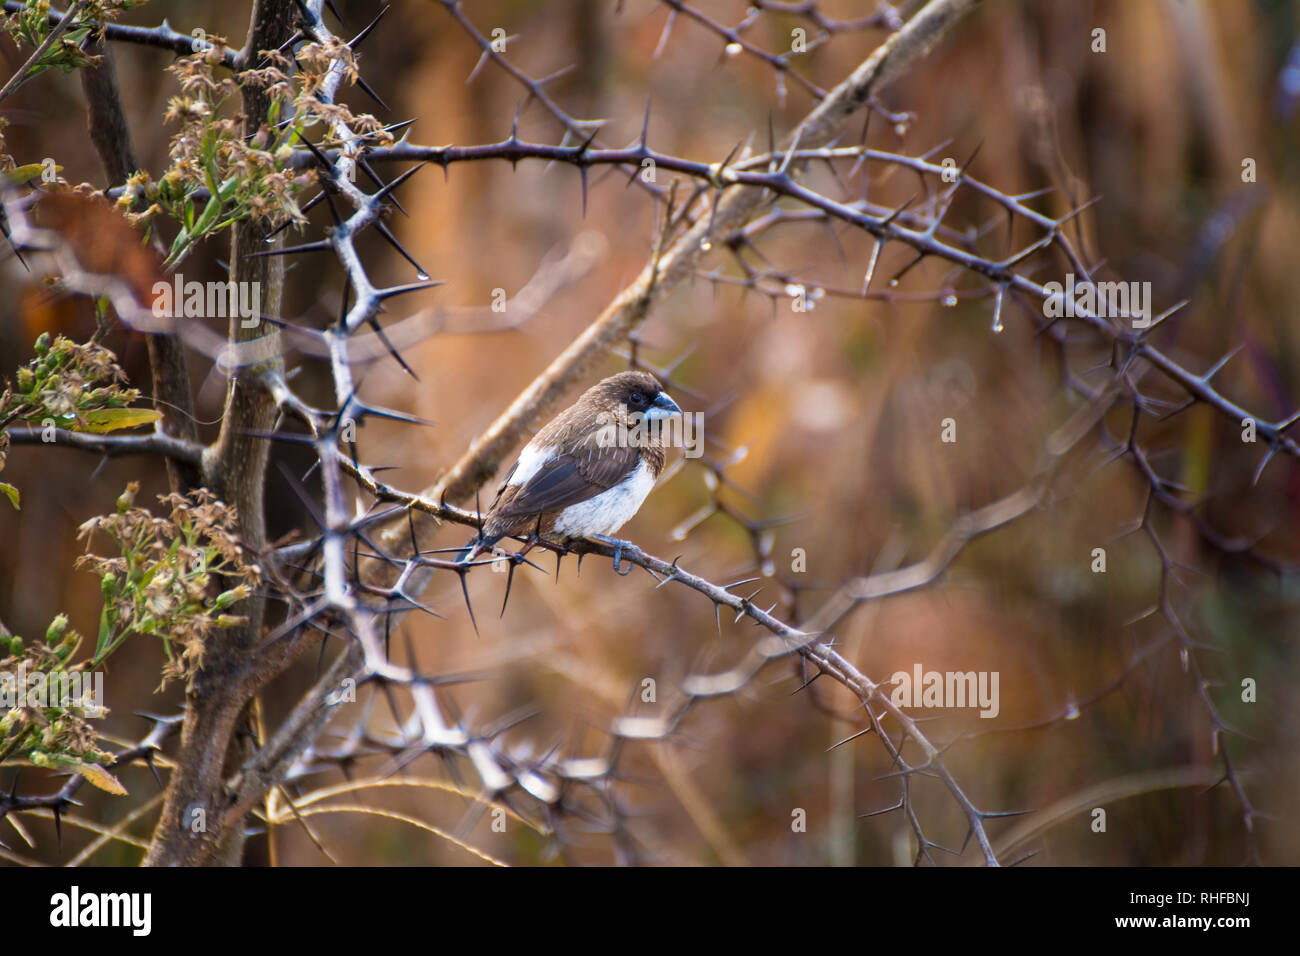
x=566 y=479
x=506 y=480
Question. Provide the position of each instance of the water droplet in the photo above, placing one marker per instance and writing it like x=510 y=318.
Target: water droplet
x=892 y=283
x=706 y=245
x=733 y=49
x=422 y=276
x=949 y=301
x=269 y=239
x=1182 y=657
x=1071 y=711
x=901 y=129
x=997 y=324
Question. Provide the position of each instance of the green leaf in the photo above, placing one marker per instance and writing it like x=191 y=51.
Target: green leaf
x=210 y=174
x=25 y=174
x=105 y=634
x=113 y=419
x=178 y=244
x=93 y=772
x=12 y=493
x=210 y=213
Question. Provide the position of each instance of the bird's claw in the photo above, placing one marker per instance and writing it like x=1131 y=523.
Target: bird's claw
x=619 y=546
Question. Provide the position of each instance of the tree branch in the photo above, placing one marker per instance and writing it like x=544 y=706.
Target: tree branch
x=162 y=37
x=234 y=467
x=173 y=449
x=61 y=23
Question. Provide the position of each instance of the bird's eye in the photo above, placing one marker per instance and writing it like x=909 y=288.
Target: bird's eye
x=636 y=399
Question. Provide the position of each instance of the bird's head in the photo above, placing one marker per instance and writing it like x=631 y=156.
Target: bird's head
x=631 y=395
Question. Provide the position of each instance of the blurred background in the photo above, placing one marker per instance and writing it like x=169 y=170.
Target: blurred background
x=838 y=410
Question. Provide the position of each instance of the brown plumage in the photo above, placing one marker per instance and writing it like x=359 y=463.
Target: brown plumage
x=567 y=482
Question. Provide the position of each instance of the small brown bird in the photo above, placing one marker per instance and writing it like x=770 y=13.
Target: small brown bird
x=586 y=473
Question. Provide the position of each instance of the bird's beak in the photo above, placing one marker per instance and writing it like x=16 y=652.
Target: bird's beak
x=663 y=407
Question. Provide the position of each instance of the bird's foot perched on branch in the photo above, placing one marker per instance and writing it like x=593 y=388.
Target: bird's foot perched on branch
x=619 y=546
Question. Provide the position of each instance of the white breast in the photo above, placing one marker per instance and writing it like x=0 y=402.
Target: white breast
x=609 y=510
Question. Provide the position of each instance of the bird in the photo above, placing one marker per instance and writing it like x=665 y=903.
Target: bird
x=586 y=473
